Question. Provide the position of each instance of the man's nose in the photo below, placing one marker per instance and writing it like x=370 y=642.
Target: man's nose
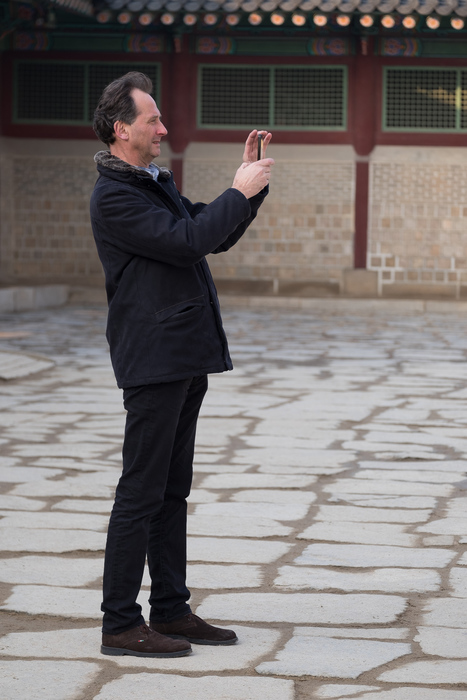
x=162 y=130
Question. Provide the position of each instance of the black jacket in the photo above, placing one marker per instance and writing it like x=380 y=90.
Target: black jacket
x=164 y=321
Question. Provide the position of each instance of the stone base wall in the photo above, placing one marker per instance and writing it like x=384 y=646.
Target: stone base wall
x=418 y=221
x=301 y=243
x=45 y=230
x=48 y=226
x=302 y=238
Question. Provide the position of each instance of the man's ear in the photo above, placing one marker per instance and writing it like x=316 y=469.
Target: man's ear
x=121 y=131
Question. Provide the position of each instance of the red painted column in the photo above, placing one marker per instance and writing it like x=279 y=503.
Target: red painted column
x=176 y=166
x=179 y=106
x=361 y=213
x=364 y=126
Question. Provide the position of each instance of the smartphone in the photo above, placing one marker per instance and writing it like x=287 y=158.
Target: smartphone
x=260 y=146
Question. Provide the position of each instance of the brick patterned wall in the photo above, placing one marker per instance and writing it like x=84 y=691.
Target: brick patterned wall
x=6 y=216
x=45 y=227
x=302 y=239
x=47 y=233
x=303 y=234
x=418 y=225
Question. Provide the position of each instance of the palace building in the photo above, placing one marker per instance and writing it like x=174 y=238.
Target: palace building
x=366 y=99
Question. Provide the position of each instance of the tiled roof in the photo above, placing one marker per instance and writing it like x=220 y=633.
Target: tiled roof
x=422 y=7
x=82 y=7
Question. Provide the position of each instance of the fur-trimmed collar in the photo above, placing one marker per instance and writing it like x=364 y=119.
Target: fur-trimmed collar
x=107 y=160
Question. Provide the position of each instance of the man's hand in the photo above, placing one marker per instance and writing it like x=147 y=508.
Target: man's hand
x=250 y=154
x=251 y=178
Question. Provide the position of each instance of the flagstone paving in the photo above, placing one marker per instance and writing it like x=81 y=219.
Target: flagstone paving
x=327 y=523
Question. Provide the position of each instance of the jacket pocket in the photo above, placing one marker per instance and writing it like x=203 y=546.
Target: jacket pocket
x=184 y=309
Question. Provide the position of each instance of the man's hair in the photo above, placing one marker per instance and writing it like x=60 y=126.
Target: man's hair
x=116 y=104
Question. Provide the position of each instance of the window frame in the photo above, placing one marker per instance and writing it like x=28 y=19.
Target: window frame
x=423 y=130
x=17 y=121
x=272 y=69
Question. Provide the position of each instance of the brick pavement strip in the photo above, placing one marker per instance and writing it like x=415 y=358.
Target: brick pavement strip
x=327 y=521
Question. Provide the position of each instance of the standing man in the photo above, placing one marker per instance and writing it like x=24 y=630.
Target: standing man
x=165 y=335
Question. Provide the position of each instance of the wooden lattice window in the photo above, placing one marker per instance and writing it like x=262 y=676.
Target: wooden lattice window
x=280 y=97
x=52 y=92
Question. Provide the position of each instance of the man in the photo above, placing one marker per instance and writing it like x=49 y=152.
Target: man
x=165 y=335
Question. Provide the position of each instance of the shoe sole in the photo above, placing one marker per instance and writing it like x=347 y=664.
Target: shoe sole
x=209 y=642
x=114 y=651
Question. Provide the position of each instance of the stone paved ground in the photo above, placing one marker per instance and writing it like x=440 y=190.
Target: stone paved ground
x=328 y=521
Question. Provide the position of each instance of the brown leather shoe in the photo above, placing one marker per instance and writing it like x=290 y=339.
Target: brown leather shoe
x=143 y=641
x=195 y=630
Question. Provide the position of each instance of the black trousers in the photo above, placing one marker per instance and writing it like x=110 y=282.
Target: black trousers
x=149 y=514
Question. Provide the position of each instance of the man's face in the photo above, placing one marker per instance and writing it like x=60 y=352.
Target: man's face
x=146 y=132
